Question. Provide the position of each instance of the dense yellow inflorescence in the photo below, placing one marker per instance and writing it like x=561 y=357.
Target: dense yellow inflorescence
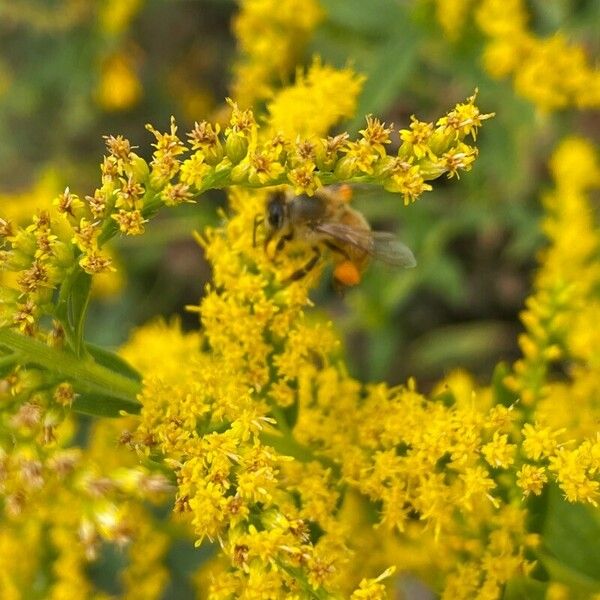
x=292 y=467
x=67 y=500
x=249 y=475
x=551 y=72
x=270 y=440
x=72 y=234
x=271 y=35
x=268 y=435
x=564 y=410
x=306 y=482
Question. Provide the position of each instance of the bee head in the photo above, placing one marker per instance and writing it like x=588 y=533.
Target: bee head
x=276 y=210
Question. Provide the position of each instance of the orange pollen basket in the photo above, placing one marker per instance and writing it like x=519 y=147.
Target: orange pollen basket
x=347 y=273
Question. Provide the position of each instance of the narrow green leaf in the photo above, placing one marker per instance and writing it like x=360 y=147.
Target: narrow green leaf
x=8 y=363
x=581 y=586
x=101 y=405
x=79 y=298
x=394 y=63
x=112 y=361
x=460 y=345
x=571 y=536
x=525 y=588
x=371 y=18
x=86 y=374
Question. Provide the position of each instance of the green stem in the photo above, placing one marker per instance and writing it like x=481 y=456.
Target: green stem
x=9 y=359
x=86 y=373
x=62 y=304
x=288 y=446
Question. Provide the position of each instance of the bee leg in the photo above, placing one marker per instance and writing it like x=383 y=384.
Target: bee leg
x=281 y=242
x=339 y=288
x=307 y=268
x=258 y=220
x=337 y=249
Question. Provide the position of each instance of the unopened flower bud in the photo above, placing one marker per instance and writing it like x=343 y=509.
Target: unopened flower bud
x=137 y=168
x=344 y=169
x=236 y=147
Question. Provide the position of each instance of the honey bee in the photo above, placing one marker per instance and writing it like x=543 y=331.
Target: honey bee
x=326 y=221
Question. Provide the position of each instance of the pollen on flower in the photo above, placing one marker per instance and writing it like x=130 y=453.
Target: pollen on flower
x=194 y=170
x=304 y=179
x=119 y=147
x=264 y=168
x=376 y=134
x=417 y=137
x=539 y=442
x=177 y=193
x=465 y=119
x=408 y=181
x=68 y=203
x=96 y=262
x=531 y=479
x=131 y=222
x=498 y=452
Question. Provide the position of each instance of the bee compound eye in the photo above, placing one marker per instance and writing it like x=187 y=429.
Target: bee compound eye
x=275 y=215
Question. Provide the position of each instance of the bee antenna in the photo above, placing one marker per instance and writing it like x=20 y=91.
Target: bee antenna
x=258 y=220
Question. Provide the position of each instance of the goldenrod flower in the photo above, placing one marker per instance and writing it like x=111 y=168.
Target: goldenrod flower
x=270 y=35
x=549 y=72
x=268 y=484
x=119 y=87
x=498 y=452
x=531 y=479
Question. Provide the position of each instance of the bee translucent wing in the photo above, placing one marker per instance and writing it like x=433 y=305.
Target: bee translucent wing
x=380 y=245
x=389 y=249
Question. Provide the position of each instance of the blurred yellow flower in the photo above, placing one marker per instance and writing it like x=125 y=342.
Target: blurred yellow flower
x=271 y=35
x=114 y=16
x=119 y=87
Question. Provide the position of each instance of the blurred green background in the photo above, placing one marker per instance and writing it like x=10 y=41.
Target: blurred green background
x=475 y=239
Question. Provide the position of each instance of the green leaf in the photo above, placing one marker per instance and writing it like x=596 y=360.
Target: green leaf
x=502 y=394
x=101 y=405
x=72 y=303
x=525 y=588
x=112 y=361
x=393 y=65
x=79 y=298
x=581 y=586
x=571 y=536
x=86 y=374
x=371 y=18
x=459 y=345
x=8 y=363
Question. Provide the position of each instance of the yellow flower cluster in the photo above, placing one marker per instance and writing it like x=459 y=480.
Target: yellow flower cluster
x=119 y=86
x=270 y=34
x=557 y=321
x=319 y=97
x=50 y=252
x=550 y=72
x=259 y=427
x=61 y=502
x=231 y=429
x=270 y=440
x=312 y=483
x=452 y=16
x=17 y=208
x=267 y=435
